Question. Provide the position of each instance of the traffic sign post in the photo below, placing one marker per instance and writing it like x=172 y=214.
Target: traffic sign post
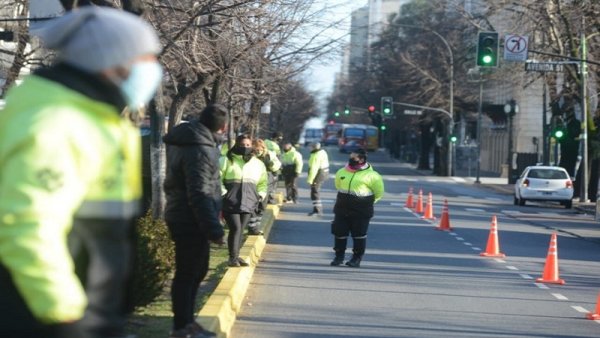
x=516 y=47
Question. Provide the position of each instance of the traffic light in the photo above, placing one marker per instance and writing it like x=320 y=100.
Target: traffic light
x=487 y=49
x=336 y=114
x=382 y=127
x=346 y=110
x=558 y=133
x=387 y=105
x=371 y=109
x=453 y=138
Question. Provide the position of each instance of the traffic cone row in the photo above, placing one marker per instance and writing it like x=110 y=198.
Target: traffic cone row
x=419 y=206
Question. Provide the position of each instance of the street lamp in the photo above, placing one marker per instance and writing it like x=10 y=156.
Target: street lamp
x=451 y=75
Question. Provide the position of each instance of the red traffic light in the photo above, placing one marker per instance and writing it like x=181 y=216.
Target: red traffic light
x=371 y=108
x=331 y=121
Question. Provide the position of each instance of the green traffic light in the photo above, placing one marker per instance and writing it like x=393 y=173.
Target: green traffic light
x=386 y=110
x=347 y=111
x=383 y=127
x=559 y=134
x=336 y=114
x=453 y=139
x=487 y=59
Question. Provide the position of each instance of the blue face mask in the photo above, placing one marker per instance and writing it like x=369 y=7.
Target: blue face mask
x=140 y=86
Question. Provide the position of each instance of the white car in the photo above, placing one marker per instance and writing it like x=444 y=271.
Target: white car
x=544 y=183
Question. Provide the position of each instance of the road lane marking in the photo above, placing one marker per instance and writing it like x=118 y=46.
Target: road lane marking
x=541 y=286
x=499 y=260
x=510 y=267
x=467 y=243
x=524 y=276
x=476 y=248
x=475 y=210
x=579 y=309
x=453 y=234
x=559 y=296
x=460 y=239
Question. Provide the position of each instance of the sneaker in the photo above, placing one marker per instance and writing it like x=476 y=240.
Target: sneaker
x=198 y=331
x=354 y=262
x=242 y=262
x=233 y=262
x=253 y=231
x=337 y=261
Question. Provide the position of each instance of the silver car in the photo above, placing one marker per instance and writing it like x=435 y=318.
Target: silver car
x=544 y=183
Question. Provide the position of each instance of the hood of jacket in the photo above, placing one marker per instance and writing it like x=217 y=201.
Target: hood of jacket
x=190 y=133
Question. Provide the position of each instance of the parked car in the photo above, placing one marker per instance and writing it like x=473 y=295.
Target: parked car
x=544 y=183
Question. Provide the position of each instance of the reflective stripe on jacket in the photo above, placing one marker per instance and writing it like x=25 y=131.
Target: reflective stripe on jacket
x=244 y=183
x=66 y=157
x=357 y=191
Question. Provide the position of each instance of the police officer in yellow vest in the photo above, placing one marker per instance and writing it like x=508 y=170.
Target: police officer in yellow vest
x=244 y=185
x=359 y=188
x=318 y=172
x=71 y=166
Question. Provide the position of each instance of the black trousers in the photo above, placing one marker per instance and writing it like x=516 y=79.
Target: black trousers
x=291 y=187
x=192 y=253
x=315 y=190
x=342 y=226
x=103 y=254
x=236 y=224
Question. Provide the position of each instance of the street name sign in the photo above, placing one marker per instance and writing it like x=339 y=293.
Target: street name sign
x=544 y=67
x=412 y=112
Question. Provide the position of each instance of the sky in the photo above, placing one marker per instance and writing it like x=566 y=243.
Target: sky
x=321 y=75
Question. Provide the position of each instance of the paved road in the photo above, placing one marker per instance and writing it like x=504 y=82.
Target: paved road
x=419 y=282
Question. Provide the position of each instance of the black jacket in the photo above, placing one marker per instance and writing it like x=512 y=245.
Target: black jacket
x=193 y=184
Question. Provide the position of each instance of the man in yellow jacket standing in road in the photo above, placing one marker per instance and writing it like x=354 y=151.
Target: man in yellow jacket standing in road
x=318 y=172
x=359 y=188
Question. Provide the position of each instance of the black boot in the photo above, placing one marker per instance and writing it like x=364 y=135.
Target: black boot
x=354 y=262
x=340 y=251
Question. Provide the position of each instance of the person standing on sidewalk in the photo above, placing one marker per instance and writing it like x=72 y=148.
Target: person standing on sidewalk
x=318 y=172
x=71 y=177
x=273 y=143
x=273 y=166
x=244 y=185
x=193 y=193
x=359 y=188
x=292 y=163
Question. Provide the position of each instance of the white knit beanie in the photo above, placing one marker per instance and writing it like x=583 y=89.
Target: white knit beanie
x=95 y=38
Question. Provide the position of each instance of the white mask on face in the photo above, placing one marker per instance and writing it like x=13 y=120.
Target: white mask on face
x=140 y=86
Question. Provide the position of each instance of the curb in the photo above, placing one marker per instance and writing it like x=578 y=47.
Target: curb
x=219 y=313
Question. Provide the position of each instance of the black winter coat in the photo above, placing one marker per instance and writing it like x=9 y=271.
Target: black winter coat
x=193 y=184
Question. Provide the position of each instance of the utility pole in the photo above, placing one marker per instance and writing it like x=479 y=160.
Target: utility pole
x=583 y=196
x=545 y=143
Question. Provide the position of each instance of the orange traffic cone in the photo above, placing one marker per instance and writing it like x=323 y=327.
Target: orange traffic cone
x=409 y=199
x=595 y=315
x=419 y=206
x=550 y=274
x=493 y=248
x=428 y=214
x=445 y=220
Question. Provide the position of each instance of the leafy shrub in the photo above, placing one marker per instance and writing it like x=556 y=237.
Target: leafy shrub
x=155 y=260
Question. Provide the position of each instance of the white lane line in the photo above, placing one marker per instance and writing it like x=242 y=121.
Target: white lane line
x=524 y=276
x=559 y=296
x=510 y=267
x=475 y=210
x=541 y=286
x=467 y=243
x=453 y=234
x=397 y=204
x=493 y=199
x=476 y=248
x=499 y=260
x=510 y=212
x=579 y=309
x=460 y=239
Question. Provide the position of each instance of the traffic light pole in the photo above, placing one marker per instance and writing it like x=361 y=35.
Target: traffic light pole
x=450 y=129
